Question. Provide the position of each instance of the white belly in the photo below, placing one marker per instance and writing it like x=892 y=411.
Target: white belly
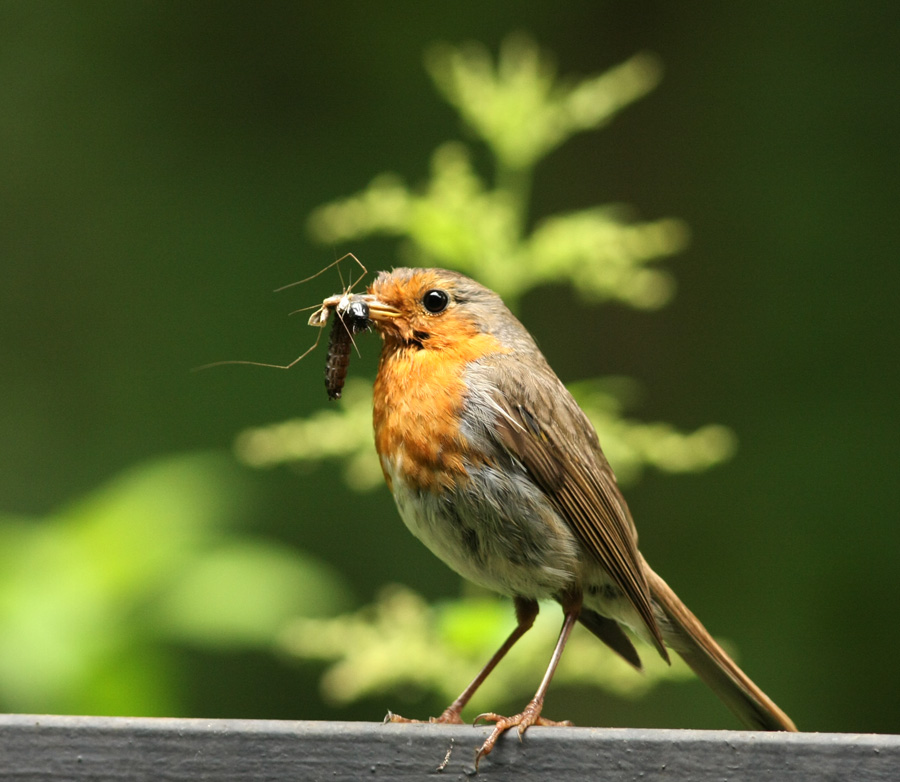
x=519 y=548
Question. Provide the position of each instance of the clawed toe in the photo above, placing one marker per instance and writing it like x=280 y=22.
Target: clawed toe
x=391 y=717
x=449 y=717
x=524 y=720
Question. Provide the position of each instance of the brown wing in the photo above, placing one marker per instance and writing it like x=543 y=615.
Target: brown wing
x=553 y=439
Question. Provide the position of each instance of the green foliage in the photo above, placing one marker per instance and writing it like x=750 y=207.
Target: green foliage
x=401 y=644
x=345 y=434
x=521 y=112
x=460 y=221
x=94 y=597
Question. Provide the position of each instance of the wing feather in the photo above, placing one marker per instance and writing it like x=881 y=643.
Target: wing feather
x=542 y=426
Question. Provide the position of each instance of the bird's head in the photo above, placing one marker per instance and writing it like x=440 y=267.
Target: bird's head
x=436 y=309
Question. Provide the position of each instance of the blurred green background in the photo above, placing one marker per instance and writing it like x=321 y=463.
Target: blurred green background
x=159 y=162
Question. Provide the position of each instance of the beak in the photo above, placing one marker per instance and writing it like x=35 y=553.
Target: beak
x=379 y=311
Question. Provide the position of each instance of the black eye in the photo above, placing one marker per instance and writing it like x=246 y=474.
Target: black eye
x=435 y=301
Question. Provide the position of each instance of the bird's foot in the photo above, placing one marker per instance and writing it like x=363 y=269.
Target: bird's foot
x=531 y=715
x=449 y=717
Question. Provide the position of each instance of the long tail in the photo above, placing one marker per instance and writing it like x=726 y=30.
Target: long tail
x=708 y=660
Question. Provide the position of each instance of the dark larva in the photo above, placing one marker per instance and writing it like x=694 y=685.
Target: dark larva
x=352 y=321
x=338 y=358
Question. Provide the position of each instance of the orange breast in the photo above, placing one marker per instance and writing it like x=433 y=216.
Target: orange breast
x=418 y=400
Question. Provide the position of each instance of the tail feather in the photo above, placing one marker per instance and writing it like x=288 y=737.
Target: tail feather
x=684 y=633
x=611 y=633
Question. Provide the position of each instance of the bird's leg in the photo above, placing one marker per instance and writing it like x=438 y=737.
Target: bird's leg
x=526 y=612
x=531 y=714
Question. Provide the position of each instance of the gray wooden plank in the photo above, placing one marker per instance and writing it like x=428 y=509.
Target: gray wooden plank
x=55 y=748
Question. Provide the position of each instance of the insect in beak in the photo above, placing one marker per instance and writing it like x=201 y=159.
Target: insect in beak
x=351 y=317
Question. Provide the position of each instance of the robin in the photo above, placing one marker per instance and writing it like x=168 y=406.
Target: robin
x=496 y=469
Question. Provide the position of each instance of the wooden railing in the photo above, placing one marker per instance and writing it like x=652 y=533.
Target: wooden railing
x=175 y=750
